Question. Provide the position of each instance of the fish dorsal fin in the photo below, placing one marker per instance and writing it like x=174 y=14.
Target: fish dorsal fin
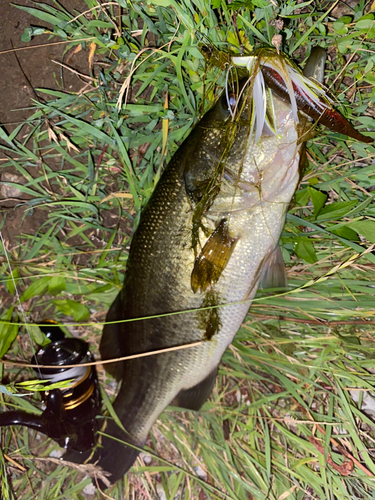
x=194 y=397
x=314 y=67
x=273 y=274
x=213 y=258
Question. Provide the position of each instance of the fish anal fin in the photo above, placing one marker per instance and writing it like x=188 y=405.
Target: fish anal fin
x=194 y=397
x=273 y=272
x=213 y=258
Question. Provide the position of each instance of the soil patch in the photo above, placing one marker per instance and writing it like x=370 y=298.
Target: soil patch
x=26 y=67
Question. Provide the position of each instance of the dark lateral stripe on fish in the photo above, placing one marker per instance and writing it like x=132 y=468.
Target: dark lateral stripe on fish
x=321 y=112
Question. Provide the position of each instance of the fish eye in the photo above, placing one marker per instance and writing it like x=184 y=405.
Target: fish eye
x=227 y=105
x=232 y=101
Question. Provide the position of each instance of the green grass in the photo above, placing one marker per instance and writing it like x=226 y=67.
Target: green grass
x=282 y=404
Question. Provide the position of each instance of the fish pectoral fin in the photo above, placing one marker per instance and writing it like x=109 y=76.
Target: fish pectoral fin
x=194 y=397
x=273 y=273
x=213 y=258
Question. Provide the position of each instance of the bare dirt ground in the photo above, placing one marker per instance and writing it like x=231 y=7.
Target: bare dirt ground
x=24 y=68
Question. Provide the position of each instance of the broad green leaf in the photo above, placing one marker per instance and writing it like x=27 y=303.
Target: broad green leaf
x=336 y=210
x=141 y=109
x=365 y=228
x=340 y=27
x=370 y=77
x=305 y=250
x=345 y=19
x=318 y=199
x=364 y=24
x=72 y=308
x=27 y=34
x=302 y=197
x=56 y=285
x=8 y=332
x=104 y=295
x=298 y=221
x=344 y=232
x=37 y=335
x=38 y=287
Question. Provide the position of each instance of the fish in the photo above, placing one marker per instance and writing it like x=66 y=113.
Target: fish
x=205 y=240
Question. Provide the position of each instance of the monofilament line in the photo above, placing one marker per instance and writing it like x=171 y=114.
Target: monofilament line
x=107 y=361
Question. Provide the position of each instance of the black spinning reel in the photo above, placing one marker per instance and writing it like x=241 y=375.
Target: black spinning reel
x=69 y=415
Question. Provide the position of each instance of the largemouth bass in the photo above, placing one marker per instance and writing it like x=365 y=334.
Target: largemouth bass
x=208 y=233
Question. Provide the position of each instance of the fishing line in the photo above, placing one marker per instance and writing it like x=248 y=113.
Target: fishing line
x=100 y=6
x=18 y=298
x=107 y=361
x=17 y=49
x=324 y=277
x=319 y=279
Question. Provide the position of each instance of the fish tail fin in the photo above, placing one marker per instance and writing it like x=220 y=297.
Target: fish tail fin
x=116 y=457
x=115 y=454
